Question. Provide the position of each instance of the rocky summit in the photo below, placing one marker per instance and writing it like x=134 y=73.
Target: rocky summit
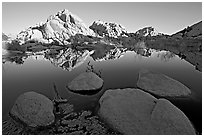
x=132 y=111
x=58 y=28
x=147 y=31
x=161 y=85
x=33 y=109
x=107 y=29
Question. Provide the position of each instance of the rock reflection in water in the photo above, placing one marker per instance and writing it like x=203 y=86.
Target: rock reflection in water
x=71 y=58
x=68 y=59
x=14 y=57
x=165 y=55
x=110 y=54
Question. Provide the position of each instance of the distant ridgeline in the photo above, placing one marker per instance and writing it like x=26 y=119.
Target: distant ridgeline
x=61 y=27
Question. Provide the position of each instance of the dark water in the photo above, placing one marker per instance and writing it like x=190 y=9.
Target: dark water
x=38 y=74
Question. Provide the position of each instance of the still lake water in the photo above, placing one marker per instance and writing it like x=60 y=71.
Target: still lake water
x=38 y=74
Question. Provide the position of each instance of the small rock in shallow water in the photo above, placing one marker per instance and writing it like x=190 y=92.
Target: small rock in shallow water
x=33 y=109
x=161 y=85
x=133 y=111
x=87 y=81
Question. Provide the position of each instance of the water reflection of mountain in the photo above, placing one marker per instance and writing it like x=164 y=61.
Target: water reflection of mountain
x=188 y=49
x=68 y=59
x=111 y=54
x=165 y=55
x=13 y=57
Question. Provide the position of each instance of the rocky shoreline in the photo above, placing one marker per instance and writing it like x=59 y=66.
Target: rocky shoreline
x=121 y=111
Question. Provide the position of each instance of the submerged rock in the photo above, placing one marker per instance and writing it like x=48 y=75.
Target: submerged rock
x=33 y=109
x=87 y=81
x=132 y=111
x=161 y=85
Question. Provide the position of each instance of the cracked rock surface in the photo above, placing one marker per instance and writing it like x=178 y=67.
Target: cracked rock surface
x=161 y=85
x=133 y=111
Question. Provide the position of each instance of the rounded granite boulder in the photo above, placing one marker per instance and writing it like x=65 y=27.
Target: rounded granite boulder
x=135 y=112
x=87 y=81
x=161 y=85
x=33 y=109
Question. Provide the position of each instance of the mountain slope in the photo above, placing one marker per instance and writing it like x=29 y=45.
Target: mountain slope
x=4 y=37
x=194 y=31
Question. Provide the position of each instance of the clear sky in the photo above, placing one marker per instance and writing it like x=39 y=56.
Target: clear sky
x=166 y=17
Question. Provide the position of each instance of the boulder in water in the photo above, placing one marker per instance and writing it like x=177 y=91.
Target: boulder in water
x=33 y=109
x=133 y=111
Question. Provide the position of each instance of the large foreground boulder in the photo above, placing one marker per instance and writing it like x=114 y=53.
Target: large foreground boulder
x=133 y=111
x=161 y=85
x=33 y=109
x=87 y=81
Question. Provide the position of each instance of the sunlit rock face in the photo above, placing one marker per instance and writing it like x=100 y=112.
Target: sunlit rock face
x=58 y=28
x=68 y=59
x=194 y=31
x=148 y=31
x=107 y=29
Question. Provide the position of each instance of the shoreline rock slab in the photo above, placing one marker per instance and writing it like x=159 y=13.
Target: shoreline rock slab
x=85 y=82
x=133 y=111
x=161 y=85
x=33 y=109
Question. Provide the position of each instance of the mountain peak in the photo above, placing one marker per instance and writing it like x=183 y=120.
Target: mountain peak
x=58 y=28
x=148 y=31
x=109 y=29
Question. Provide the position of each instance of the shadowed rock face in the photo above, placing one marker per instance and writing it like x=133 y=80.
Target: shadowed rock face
x=87 y=81
x=132 y=111
x=33 y=109
x=161 y=85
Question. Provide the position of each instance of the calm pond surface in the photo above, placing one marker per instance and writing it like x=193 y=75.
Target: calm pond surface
x=38 y=72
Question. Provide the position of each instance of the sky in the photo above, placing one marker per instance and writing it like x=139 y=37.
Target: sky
x=165 y=17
